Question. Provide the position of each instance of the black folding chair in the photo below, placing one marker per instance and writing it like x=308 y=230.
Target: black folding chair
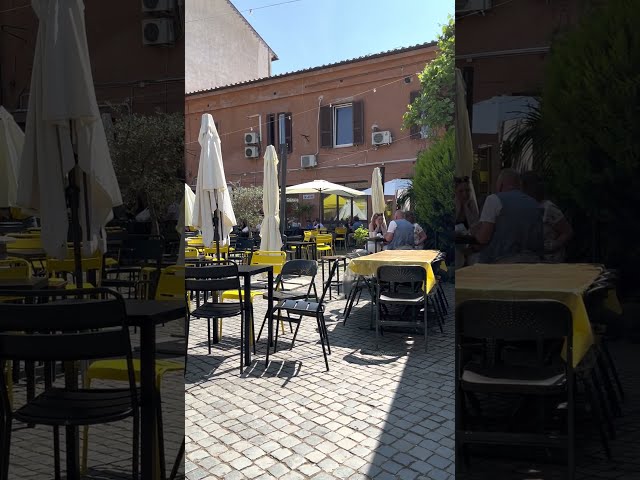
x=388 y=276
x=68 y=330
x=209 y=281
x=513 y=348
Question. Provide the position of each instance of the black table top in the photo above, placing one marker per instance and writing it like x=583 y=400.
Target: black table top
x=140 y=312
x=33 y=283
x=250 y=270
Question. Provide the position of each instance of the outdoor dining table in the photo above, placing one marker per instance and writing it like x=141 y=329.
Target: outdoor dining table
x=246 y=272
x=300 y=244
x=563 y=282
x=147 y=314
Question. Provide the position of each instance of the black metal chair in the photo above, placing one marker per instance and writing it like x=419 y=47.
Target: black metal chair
x=388 y=276
x=293 y=269
x=305 y=308
x=490 y=334
x=136 y=253
x=243 y=249
x=69 y=331
x=209 y=281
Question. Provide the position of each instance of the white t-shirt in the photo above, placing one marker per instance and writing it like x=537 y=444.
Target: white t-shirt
x=392 y=226
x=491 y=209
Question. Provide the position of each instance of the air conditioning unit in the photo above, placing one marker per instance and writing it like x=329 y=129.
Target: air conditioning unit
x=158 y=6
x=381 y=138
x=251 y=138
x=251 y=152
x=308 y=161
x=472 y=5
x=158 y=31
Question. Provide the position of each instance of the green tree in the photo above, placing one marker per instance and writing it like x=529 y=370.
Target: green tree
x=148 y=157
x=247 y=205
x=433 y=189
x=590 y=112
x=434 y=107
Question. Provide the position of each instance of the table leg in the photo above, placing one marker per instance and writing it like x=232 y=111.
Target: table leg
x=270 y=313
x=247 y=320
x=147 y=403
x=71 y=436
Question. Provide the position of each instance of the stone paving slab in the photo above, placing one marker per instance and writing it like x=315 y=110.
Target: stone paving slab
x=378 y=413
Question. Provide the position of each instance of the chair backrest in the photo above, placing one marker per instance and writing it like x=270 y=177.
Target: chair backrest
x=67 y=329
x=265 y=257
x=224 y=250
x=33 y=242
x=341 y=231
x=14 y=268
x=171 y=283
x=223 y=276
x=56 y=266
x=401 y=274
x=190 y=252
x=142 y=249
x=514 y=320
x=309 y=234
x=299 y=268
x=324 y=239
x=243 y=243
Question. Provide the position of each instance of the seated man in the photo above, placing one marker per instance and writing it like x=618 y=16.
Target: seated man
x=400 y=233
x=510 y=229
x=357 y=223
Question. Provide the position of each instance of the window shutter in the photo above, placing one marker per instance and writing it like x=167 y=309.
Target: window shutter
x=414 y=132
x=288 y=131
x=358 y=123
x=326 y=127
x=271 y=131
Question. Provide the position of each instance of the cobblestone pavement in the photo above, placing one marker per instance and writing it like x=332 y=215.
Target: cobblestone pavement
x=110 y=446
x=383 y=414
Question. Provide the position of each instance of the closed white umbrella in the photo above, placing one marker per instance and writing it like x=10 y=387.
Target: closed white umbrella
x=377 y=192
x=189 y=201
x=212 y=194
x=65 y=143
x=464 y=145
x=271 y=240
x=11 y=141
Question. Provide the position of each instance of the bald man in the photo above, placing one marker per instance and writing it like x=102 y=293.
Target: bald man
x=511 y=228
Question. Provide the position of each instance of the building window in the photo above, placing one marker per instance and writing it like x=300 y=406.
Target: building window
x=341 y=125
x=279 y=131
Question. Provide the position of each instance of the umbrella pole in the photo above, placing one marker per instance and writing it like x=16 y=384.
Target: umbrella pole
x=216 y=225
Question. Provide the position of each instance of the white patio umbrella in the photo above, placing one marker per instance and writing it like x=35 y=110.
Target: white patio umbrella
x=185 y=218
x=464 y=145
x=11 y=141
x=271 y=239
x=377 y=193
x=65 y=143
x=212 y=210
x=322 y=186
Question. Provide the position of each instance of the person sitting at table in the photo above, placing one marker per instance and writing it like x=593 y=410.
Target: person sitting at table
x=244 y=230
x=377 y=228
x=357 y=223
x=399 y=234
x=317 y=224
x=557 y=230
x=419 y=235
x=510 y=229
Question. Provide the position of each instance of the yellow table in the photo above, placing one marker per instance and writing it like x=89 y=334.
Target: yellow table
x=368 y=264
x=563 y=282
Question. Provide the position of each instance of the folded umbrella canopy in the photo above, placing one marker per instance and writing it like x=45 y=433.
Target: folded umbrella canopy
x=65 y=144
x=377 y=193
x=185 y=217
x=212 y=208
x=11 y=141
x=322 y=186
x=271 y=240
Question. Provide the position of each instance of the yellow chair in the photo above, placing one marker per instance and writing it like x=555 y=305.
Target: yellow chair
x=191 y=252
x=58 y=270
x=170 y=287
x=14 y=268
x=324 y=244
x=341 y=236
x=28 y=242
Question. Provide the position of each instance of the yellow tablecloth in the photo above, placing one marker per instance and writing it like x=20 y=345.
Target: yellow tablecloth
x=563 y=282
x=368 y=265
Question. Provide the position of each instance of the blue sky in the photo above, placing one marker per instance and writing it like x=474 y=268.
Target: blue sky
x=309 y=33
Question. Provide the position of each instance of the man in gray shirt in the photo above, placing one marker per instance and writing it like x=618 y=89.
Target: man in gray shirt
x=511 y=228
x=400 y=233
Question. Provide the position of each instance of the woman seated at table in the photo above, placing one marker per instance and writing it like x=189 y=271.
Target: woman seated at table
x=377 y=229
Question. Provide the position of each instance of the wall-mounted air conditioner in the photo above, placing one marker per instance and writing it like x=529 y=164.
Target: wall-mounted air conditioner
x=251 y=152
x=381 y=138
x=158 y=31
x=251 y=138
x=308 y=161
x=472 y=5
x=158 y=6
